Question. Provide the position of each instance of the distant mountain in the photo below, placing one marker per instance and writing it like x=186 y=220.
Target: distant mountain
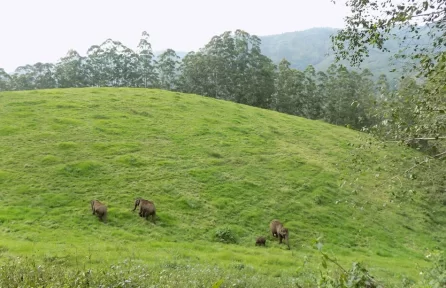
x=301 y=48
x=312 y=47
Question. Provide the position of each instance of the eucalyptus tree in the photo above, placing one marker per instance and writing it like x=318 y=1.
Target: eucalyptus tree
x=146 y=68
x=128 y=64
x=230 y=67
x=193 y=74
x=44 y=76
x=71 y=70
x=24 y=78
x=5 y=80
x=289 y=85
x=167 y=66
x=95 y=68
x=313 y=101
x=221 y=75
x=255 y=73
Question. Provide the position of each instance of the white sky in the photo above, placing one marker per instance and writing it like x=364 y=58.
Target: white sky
x=44 y=30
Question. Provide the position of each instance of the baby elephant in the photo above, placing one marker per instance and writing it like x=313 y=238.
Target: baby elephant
x=260 y=241
x=147 y=208
x=278 y=230
x=99 y=209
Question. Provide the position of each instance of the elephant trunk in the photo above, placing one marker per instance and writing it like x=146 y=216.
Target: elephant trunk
x=136 y=204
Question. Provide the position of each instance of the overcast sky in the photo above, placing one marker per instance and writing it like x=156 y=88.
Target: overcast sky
x=44 y=30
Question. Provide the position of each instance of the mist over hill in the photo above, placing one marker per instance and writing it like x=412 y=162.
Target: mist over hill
x=313 y=47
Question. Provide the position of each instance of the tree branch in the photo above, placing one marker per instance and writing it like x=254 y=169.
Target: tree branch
x=428 y=138
x=429 y=14
x=439 y=155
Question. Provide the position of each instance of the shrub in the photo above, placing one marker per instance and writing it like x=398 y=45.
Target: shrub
x=225 y=235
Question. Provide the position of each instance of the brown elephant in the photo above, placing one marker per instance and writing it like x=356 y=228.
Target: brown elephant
x=146 y=209
x=99 y=209
x=260 y=241
x=279 y=231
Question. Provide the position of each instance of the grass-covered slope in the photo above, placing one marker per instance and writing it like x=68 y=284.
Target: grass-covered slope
x=210 y=167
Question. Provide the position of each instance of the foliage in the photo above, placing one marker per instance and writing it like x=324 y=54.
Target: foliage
x=167 y=67
x=225 y=235
x=230 y=67
x=415 y=113
x=435 y=277
x=356 y=277
x=372 y=24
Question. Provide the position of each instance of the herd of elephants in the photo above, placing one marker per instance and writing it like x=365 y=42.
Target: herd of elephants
x=147 y=208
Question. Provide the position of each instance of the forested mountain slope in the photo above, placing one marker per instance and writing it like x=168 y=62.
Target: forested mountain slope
x=313 y=47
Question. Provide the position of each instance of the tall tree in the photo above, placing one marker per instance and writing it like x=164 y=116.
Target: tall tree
x=5 y=80
x=147 y=72
x=44 y=76
x=193 y=74
x=255 y=71
x=70 y=70
x=288 y=89
x=167 y=66
x=312 y=101
x=24 y=78
x=96 y=67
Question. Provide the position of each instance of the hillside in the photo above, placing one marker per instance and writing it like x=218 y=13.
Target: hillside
x=313 y=47
x=211 y=167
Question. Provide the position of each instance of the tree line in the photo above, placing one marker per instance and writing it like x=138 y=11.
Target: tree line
x=232 y=67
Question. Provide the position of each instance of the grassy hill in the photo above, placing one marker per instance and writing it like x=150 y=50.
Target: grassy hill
x=212 y=168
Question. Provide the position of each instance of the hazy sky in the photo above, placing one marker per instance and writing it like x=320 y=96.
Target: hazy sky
x=44 y=30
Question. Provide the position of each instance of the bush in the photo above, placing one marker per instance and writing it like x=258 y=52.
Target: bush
x=436 y=276
x=225 y=235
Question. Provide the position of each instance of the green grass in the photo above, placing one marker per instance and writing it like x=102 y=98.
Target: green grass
x=208 y=165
